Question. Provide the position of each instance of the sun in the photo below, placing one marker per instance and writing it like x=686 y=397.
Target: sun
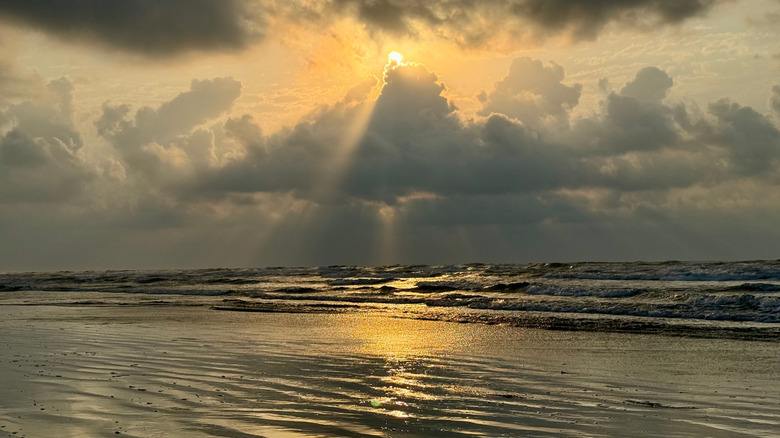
x=395 y=58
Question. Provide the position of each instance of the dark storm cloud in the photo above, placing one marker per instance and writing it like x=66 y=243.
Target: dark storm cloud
x=150 y=27
x=585 y=18
x=582 y=19
x=752 y=140
x=160 y=28
x=415 y=143
x=627 y=125
x=385 y=15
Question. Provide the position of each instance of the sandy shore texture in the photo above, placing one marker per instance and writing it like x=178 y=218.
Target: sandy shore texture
x=169 y=371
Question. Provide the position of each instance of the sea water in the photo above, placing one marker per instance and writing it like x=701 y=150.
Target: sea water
x=709 y=299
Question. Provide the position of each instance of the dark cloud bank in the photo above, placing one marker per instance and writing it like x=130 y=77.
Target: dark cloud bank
x=161 y=28
x=401 y=179
x=581 y=19
x=151 y=27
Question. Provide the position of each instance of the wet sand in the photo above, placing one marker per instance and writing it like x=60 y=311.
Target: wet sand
x=154 y=371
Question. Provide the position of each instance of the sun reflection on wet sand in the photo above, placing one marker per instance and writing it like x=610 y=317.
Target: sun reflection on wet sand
x=410 y=358
x=394 y=339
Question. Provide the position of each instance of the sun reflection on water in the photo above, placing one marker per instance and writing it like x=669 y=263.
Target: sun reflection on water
x=396 y=340
x=403 y=380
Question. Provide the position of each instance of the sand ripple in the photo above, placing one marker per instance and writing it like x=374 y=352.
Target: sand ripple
x=191 y=372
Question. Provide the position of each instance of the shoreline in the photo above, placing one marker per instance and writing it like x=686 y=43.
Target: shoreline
x=606 y=323
x=555 y=321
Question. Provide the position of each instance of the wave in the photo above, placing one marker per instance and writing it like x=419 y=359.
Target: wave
x=296 y=290
x=579 y=291
x=769 y=306
x=707 y=307
x=754 y=287
x=507 y=287
x=667 y=271
x=711 y=291
x=360 y=281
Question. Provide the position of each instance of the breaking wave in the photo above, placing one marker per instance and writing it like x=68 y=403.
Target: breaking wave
x=664 y=292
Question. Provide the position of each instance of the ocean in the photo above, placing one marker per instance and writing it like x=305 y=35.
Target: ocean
x=671 y=349
x=730 y=300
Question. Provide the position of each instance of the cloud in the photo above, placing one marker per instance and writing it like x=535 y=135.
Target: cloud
x=584 y=19
x=387 y=15
x=752 y=141
x=171 y=27
x=415 y=145
x=415 y=149
x=769 y=20
x=533 y=93
x=165 y=134
x=40 y=158
x=774 y=100
x=403 y=169
x=14 y=85
x=153 y=28
x=576 y=18
x=413 y=142
x=626 y=124
x=296 y=160
x=649 y=85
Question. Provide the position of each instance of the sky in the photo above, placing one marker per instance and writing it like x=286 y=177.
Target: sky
x=236 y=133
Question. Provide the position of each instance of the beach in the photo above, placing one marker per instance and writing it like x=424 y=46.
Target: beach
x=390 y=218
x=188 y=370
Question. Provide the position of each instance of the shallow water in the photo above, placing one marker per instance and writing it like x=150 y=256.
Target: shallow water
x=189 y=371
x=738 y=300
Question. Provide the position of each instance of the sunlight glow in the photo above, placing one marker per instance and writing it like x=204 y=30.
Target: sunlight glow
x=395 y=58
